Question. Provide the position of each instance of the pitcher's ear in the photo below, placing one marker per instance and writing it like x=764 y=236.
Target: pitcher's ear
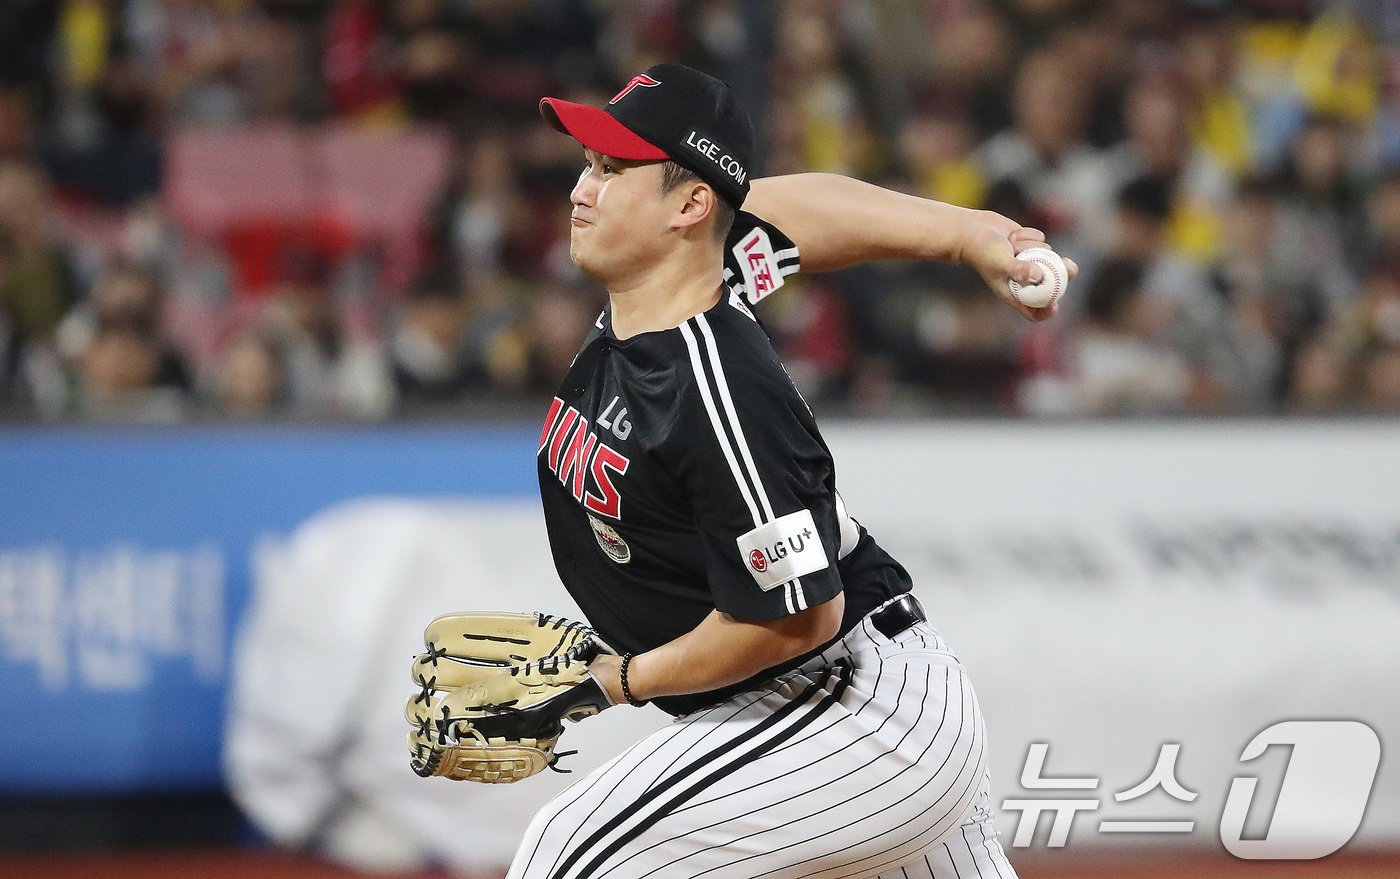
x=700 y=202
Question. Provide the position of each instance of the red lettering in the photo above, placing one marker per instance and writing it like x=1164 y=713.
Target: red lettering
x=762 y=274
x=583 y=466
x=549 y=420
x=609 y=502
x=562 y=434
x=574 y=455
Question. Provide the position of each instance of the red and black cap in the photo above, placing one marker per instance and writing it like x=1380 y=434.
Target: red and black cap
x=670 y=112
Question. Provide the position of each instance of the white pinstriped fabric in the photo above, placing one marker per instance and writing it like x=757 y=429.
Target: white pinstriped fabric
x=869 y=761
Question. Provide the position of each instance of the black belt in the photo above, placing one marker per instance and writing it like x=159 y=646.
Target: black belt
x=898 y=615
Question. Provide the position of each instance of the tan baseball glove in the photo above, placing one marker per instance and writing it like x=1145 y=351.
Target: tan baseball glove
x=493 y=691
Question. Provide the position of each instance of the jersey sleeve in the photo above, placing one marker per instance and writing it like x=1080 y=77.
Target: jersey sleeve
x=758 y=258
x=760 y=481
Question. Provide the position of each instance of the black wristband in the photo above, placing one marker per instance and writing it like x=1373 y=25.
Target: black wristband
x=626 y=690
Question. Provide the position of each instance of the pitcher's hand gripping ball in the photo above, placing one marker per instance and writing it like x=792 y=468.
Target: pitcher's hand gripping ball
x=1054 y=277
x=493 y=691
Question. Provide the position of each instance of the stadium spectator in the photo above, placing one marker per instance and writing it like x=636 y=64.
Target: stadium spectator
x=251 y=382
x=556 y=317
x=1320 y=193
x=973 y=59
x=38 y=285
x=1045 y=151
x=1380 y=378
x=1158 y=145
x=427 y=350
x=1319 y=381
x=1245 y=158
x=120 y=379
x=1382 y=236
x=1143 y=212
x=330 y=372
x=1119 y=363
x=39 y=280
x=936 y=151
x=358 y=65
x=125 y=296
x=483 y=226
x=828 y=122
x=1370 y=331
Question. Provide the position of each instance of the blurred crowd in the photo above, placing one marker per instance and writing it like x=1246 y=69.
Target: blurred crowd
x=1227 y=175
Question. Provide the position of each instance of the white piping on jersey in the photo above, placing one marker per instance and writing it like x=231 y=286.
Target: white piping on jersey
x=728 y=401
x=850 y=534
x=698 y=366
x=735 y=288
x=762 y=511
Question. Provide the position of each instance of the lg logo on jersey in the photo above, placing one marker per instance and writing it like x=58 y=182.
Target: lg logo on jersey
x=787 y=547
x=760 y=559
x=620 y=426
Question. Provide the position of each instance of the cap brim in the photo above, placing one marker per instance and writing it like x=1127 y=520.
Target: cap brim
x=599 y=131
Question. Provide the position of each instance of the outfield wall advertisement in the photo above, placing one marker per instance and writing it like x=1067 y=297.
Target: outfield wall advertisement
x=1180 y=632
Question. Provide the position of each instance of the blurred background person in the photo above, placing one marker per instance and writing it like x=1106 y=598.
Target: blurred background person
x=124 y=294
x=331 y=371
x=119 y=378
x=1120 y=362
x=427 y=350
x=1045 y=151
x=38 y=285
x=1250 y=146
x=251 y=382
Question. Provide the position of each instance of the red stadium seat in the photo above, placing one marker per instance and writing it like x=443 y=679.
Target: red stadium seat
x=381 y=185
x=261 y=189
x=222 y=177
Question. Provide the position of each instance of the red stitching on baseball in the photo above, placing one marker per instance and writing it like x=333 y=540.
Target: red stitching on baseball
x=1048 y=267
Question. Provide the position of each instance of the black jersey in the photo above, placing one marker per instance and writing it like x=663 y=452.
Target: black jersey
x=682 y=472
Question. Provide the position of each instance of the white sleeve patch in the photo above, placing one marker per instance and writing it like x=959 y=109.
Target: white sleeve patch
x=850 y=534
x=759 y=264
x=785 y=548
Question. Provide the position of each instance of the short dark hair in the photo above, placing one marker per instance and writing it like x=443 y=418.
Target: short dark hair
x=674 y=174
x=1116 y=283
x=1150 y=197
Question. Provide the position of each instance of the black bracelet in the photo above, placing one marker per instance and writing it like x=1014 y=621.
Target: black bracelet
x=626 y=690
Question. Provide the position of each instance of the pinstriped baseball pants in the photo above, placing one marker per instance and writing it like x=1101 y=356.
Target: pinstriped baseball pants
x=869 y=761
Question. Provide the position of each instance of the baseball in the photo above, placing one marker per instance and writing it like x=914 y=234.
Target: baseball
x=1053 y=280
